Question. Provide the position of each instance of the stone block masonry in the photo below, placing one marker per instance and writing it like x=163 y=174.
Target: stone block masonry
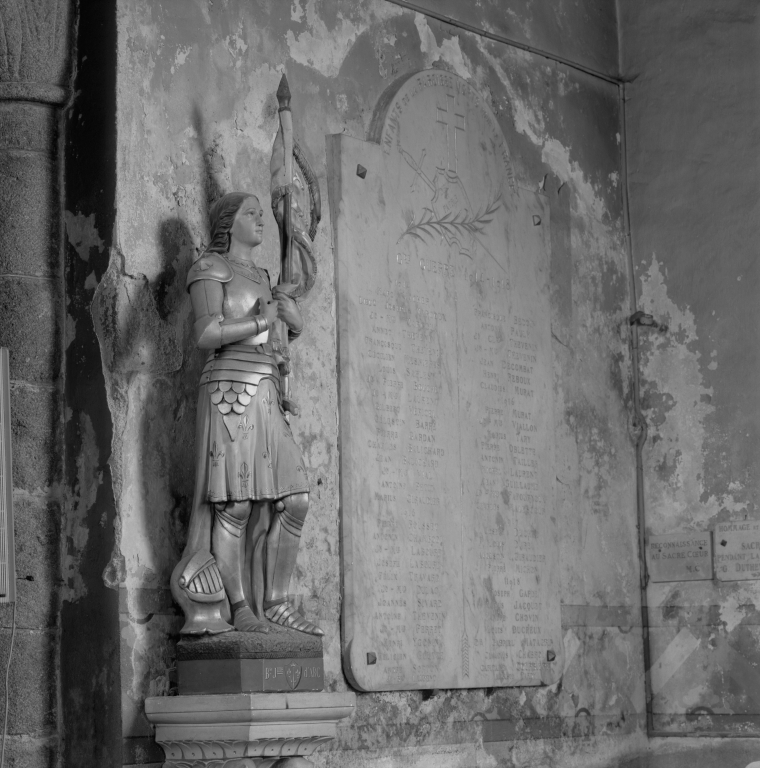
x=34 y=69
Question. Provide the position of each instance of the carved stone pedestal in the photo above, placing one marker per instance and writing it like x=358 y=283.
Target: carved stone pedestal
x=280 y=661
x=238 y=730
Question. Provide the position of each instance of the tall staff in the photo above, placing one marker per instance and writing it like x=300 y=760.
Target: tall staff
x=286 y=229
x=297 y=265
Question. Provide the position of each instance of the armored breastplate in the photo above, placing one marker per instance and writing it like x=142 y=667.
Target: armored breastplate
x=243 y=294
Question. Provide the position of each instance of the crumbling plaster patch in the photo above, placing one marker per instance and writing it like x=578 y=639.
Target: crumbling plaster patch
x=557 y=157
x=325 y=49
x=308 y=47
x=448 y=51
x=82 y=234
x=527 y=115
x=676 y=404
x=83 y=496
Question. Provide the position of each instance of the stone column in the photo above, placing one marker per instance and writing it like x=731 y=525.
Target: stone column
x=34 y=71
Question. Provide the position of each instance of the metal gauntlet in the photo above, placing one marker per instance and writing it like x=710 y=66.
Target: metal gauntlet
x=238 y=330
x=213 y=331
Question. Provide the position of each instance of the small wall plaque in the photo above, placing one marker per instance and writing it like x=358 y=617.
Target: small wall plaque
x=683 y=556
x=737 y=550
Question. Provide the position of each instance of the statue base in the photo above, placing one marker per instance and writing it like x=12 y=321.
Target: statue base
x=282 y=660
x=262 y=730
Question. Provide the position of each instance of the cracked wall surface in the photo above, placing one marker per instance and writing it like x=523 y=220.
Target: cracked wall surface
x=693 y=127
x=196 y=115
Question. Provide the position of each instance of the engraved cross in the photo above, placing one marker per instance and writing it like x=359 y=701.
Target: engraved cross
x=444 y=116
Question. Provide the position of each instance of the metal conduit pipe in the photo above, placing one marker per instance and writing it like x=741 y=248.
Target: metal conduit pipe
x=638 y=422
x=638 y=425
x=506 y=41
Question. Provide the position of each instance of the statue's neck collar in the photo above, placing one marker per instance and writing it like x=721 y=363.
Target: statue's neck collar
x=246 y=268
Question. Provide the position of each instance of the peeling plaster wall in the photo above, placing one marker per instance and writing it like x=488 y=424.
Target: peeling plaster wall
x=585 y=33
x=196 y=114
x=694 y=164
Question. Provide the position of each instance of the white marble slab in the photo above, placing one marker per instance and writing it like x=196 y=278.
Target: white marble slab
x=450 y=554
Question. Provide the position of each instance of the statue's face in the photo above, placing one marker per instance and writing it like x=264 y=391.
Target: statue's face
x=248 y=226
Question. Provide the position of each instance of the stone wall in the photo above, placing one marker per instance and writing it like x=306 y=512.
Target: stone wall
x=693 y=126
x=196 y=113
x=34 y=75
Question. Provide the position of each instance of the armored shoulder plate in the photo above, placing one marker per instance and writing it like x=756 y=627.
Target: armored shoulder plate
x=210 y=266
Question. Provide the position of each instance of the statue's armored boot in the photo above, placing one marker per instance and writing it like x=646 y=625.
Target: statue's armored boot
x=282 y=550
x=229 y=549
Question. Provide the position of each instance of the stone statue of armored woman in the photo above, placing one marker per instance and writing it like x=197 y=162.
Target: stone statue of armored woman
x=251 y=489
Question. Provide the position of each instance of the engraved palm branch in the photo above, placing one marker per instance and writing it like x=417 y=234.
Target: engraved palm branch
x=451 y=224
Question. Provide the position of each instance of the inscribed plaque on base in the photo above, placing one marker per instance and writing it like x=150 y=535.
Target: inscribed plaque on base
x=737 y=551
x=450 y=555
x=680 y=557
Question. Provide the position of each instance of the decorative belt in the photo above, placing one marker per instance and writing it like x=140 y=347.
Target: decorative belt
x=245 y=363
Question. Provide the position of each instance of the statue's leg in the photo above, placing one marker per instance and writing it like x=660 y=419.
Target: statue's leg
x=228 y=543
x=282 y=550
x=258 y=526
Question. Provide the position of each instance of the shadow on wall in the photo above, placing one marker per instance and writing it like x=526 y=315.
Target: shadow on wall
x=212 y=189
x=143 y=327
x=161 y=470
x=135 y=339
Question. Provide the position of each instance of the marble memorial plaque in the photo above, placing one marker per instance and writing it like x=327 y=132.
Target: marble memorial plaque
x=450 y=555
x=737 y=551
x=683 y=556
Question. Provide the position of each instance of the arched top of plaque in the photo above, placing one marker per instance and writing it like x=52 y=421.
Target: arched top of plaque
x=440 y=125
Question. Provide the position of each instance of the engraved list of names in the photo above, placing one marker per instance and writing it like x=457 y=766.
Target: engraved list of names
x=450 y=560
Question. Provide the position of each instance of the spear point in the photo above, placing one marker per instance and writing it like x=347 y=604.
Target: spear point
x=283 y=93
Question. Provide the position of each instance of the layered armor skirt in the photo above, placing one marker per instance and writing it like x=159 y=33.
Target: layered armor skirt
x=251 y=453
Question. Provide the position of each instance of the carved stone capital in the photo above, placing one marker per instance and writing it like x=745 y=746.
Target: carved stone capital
x=34 y=50
x=237 y=754
x=269 y=730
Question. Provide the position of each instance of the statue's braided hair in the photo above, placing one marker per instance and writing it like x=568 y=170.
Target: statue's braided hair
x=222 y=215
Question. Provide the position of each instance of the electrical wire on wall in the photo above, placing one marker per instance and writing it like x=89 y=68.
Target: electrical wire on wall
x=7 y=553
x=7 y=687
